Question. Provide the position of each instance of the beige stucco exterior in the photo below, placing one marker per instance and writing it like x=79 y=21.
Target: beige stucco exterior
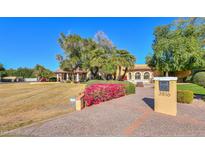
x=165 y=102
x=140 y=73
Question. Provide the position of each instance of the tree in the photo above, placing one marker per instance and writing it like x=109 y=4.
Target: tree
x=178 y=46
x=41 y=72
x=103 y=59
x=72 y=45
x=2 y=67
x=98 y=55
x=124 y=59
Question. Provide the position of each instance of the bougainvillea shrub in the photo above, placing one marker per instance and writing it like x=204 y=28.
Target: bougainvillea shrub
x=97 y=93
x=129 y=87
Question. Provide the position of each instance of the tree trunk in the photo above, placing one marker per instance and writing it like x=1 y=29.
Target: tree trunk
x=107 y=77
x=123 y=76
x=94 y=72
x=114 y=76
x=167 y=74
x=119 y=73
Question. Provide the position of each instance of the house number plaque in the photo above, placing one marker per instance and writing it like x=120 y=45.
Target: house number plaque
x=164 y=86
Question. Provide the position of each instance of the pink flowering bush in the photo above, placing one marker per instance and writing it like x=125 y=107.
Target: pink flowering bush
x=97 y=93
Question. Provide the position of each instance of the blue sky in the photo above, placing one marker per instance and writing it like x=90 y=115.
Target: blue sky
x=25 y=42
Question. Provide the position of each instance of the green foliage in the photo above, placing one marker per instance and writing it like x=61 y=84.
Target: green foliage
x=38 y=71
x=2 y=71
x=52 y=79
x=2 y=67
x=129 y=87
x=20 y=72
x=179 y=46
x=185 y=96
x=196 y=89
x=42 y=72
x=199 y=78
x=98 y=56
x=189 y=79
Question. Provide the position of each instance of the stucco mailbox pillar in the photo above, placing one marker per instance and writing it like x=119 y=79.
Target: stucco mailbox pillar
x=165 y=95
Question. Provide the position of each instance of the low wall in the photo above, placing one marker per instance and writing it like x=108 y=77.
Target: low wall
x=30 y=79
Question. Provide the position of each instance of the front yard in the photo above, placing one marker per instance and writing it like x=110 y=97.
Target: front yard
x=23 y=104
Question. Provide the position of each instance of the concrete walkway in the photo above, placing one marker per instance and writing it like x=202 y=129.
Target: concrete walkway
x=131 y=115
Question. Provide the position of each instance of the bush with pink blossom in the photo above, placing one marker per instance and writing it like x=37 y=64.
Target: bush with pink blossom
x=98 y=93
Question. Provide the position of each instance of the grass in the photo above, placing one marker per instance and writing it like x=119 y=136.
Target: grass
x=196 y=89
x=106 y=81
x=23 y=103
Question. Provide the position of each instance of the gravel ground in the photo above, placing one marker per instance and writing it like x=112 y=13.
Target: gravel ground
x=131 y=115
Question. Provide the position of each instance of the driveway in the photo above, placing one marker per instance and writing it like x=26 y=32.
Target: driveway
x=131 y=115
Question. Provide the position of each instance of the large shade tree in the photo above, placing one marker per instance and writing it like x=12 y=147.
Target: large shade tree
x=98 y=55
x=178 y=46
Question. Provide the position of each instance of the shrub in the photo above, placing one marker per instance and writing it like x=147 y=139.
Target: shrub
x=203 y=98
x=199 y=78
x=52 y=79
x=68 y=81
x=129 y=87
x=185 y=96
x=97 y=93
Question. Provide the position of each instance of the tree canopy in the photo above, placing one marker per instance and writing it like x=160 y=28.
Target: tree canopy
x=98 y=55
x=41 y=72
x=38 y=71
x=2 y=67
x=179 y=46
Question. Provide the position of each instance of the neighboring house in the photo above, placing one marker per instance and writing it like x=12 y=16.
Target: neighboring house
x=12 y=79
x=140 y=73
x=77 y=75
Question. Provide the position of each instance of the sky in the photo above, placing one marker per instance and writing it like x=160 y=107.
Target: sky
x=25 y=42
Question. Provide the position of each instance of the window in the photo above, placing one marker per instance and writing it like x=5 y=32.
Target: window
x=137 y=76
x=130 y=76
x=146 y=75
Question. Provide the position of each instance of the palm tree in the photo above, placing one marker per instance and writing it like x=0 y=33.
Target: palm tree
x=38 y=70
x=126 y=60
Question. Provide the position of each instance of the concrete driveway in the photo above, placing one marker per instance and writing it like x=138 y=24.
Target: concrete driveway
x=131 y=115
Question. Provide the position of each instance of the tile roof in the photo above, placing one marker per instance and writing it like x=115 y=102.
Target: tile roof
x=141 y=67
x=60 y=71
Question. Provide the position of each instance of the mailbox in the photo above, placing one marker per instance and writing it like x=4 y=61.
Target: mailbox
x=165 y=95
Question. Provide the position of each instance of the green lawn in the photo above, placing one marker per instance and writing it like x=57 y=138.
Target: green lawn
x=193 y=87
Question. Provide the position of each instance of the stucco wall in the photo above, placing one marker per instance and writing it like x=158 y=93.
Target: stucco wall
x=133 y=79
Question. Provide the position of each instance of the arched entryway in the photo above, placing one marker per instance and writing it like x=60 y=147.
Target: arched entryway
x=146 y=76
x=137 y=76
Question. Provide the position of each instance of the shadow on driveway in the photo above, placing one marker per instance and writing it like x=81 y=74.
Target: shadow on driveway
x=149 y=102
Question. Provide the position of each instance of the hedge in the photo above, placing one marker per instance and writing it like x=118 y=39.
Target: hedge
x=199 y=78
x=129 y=87
x=98 y=93
x=52 y=79
x=185 y=96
